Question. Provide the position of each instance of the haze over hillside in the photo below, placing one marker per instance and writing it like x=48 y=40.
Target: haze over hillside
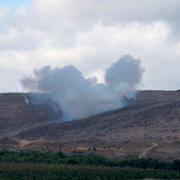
x=148 y=127
x=79 y=96
x=92 y=61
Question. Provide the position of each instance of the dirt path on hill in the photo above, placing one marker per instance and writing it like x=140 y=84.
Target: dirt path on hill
x=148 y=150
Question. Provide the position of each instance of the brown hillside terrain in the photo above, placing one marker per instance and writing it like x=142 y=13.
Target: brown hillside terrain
x=19 y=111
x=148 y=127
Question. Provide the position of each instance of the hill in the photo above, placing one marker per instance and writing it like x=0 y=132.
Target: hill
x=148 y=127
x=19 y=111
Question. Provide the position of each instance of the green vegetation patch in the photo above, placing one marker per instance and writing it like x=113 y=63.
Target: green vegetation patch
x=47 y=171
x=49 y=165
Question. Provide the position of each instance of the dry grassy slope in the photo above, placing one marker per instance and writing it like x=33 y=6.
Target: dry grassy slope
x=18 y=112
x=149 y=127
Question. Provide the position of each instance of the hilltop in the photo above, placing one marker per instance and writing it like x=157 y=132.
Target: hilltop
x=148 y=127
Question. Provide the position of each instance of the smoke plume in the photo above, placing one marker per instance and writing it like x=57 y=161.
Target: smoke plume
x=81 y=97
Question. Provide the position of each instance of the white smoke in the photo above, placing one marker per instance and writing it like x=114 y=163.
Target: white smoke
x=81 y=97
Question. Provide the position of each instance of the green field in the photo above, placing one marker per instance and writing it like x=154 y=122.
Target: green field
x=48 y=165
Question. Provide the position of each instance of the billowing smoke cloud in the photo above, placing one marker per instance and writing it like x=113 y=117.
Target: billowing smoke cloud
x=81 y=97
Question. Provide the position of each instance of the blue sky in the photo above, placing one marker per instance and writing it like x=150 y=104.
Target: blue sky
x=13 y=2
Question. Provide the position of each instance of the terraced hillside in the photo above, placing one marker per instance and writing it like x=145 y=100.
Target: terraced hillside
x=148 y=127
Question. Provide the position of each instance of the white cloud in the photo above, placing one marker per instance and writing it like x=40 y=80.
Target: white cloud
x=4 y=11
x=117 y=11
x=91 y=35
x=13 y=39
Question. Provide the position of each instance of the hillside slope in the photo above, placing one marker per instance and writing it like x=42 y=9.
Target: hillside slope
x=19 y=111
x=148 y=127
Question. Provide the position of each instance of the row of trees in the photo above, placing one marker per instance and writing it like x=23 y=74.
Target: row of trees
x=83 y=159
x=75 y=172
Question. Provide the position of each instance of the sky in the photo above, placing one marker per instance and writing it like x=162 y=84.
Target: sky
x=91 y=35
x=14 y=3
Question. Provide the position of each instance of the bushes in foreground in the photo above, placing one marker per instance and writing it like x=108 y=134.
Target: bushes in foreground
x=49 y=165
x=83 y=159
x=74 y=172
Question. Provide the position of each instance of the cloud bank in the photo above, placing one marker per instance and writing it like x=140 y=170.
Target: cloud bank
x=80 y=97
x=90 y=35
